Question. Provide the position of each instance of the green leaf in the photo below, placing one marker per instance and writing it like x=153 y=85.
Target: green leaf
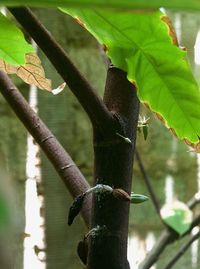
x=121 y=4
x=145 y=131
x=178 y=216
x=138 y=198
x=13 y=46
x=139 y=43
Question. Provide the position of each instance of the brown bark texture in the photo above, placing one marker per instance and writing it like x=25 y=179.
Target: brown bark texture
x=113 y=166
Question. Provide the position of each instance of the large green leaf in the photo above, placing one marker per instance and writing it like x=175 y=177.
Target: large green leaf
x=13 y=46
x=140 y=45
x=121 y=4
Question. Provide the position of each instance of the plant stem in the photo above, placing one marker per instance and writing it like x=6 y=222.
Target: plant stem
x=148 y=183
x=88 y=98
x=166 y=238
x=182 y=250
x=194 y=201
x=57 y=155
x=113 y=166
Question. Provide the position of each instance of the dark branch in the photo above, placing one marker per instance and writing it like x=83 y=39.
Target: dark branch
x=92 y=104
x=195 y=222
x=148 y=183
x=113 y=166
x=194 y=201
x=182 y=251
x=62 y=162
x=165 y=238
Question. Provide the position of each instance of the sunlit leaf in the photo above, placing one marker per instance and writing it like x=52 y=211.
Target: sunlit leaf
x=120 y=4
x=13 y=46
x=178 y=216
x=31 y=73
x=142 y=44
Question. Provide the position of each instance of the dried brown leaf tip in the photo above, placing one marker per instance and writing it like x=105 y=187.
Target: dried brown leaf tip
x=121 y=195
x=173 y=132
x=59 y=89
x=160 y=118
x=194 y=146
x=172 y=32
x=31 y=73
x=105 y=48
x=80 y=22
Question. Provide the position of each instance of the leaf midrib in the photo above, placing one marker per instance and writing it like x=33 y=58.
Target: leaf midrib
x=142 y=51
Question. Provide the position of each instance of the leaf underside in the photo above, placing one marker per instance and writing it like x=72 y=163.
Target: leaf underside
x=141 y=45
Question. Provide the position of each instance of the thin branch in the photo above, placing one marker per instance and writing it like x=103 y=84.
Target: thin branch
x=88 y=98
x=195 y=222
x=182 y=250
x=57 y=155
x=165 y=238
x=194 y=201
x=148 y=183
x=168 y=237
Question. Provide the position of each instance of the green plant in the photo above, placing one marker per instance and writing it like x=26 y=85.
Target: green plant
x=147 y=63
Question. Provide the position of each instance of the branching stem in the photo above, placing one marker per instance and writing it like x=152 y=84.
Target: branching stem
x=57 y=155
x=182 y=251
x=86 y=95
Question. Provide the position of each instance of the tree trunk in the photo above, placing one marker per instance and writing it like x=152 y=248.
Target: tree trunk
x=113 y=166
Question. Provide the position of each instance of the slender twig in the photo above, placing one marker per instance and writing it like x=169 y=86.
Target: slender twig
x=182 y=250
x=148 y=183
x=57 y=155
x=88 y=98
x=168 y=237
x=161 y=243
x=195 y=222
x=194 y=201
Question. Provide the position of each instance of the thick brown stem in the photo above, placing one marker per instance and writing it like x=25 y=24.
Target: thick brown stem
x=113 y=166
x=88 y=98
x=62 y=162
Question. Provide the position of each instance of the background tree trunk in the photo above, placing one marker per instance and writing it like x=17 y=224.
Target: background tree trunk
x=64 y=115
